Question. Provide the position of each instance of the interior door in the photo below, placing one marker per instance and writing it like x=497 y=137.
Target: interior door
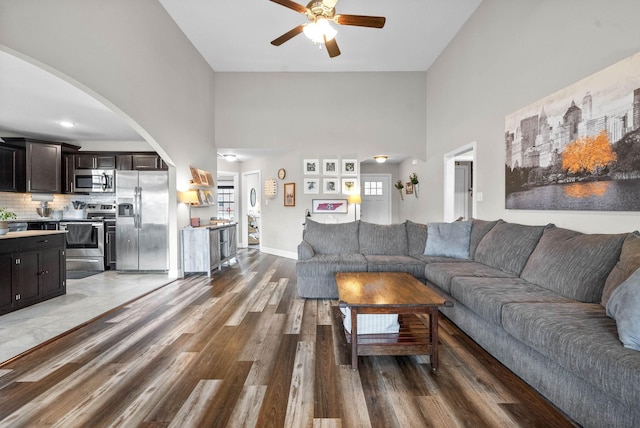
x=375 y=190
x=462 y=186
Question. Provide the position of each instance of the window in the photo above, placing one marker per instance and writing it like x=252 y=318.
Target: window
x=226 y=202
x=373 y=188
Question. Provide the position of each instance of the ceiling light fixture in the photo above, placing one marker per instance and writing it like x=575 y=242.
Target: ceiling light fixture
x=319 y=31
x=230 y=157
x=67 y=124
x=380 y=158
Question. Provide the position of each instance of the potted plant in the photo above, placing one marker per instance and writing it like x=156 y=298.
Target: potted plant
x=400 y=186
x=5 y=216
x=413 y=178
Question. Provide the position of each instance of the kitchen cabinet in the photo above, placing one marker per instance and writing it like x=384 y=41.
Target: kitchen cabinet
x=32 y=268
x=95 y=161
x=140 y=162
x=209 y=247
x=68 y=168
x=44 y=167
x=12 y=169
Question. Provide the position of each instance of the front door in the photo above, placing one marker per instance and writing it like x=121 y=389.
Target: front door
x=376 y=198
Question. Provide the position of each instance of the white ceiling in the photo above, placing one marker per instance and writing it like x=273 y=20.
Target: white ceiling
x=235 y=35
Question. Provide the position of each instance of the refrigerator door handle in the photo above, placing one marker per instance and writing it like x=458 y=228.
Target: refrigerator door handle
x=136 y=207
x=139 y=207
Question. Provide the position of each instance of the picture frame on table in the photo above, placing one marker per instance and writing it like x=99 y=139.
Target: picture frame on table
x=330 y=166
x=289 y=194
x=349 y=167
x=329 y=206
x=331 y=185
x=349 y=185
x=311 y=166
x=311 y=186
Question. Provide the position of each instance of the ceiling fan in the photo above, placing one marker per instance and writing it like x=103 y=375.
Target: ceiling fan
x=319 y=13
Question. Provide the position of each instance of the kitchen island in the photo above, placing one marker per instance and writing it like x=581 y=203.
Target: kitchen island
x=205 y=248
x=32 y=268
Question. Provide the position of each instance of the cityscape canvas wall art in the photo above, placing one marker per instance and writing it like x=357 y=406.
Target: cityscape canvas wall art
x=579 y=148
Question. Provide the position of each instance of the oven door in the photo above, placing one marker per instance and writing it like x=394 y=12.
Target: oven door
x=85 y=245
x=84 y=238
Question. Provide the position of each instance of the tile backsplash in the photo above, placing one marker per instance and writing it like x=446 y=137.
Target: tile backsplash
x=25 y=208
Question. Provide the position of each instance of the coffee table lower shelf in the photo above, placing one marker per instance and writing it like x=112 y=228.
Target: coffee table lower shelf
x=414 y=338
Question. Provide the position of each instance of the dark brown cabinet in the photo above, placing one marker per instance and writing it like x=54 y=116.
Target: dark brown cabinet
x=140 y=162
x=95 y=161
x=12 y=172
x=32 y=269
x=68 y=169
x=44 y=171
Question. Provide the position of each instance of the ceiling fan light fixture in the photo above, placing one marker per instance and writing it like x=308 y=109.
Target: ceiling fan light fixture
x=319 y=31
x=380 y=158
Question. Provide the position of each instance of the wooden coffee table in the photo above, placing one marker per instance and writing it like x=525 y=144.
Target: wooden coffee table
x=391 y=293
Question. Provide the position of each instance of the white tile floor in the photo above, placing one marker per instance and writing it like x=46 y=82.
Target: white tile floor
x=85 y=299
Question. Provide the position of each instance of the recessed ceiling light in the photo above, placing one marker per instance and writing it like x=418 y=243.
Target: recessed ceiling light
x=67 y=124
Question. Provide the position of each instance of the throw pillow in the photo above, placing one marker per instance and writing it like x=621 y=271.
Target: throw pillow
x=628 y=263
x=449 y=240
x=624 y=307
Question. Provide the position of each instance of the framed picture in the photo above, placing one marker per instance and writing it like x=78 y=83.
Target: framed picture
x=311 y=166
x=330 y=166
x=289 y=194
x=331 y=185
x=408 y=188
x=349 y=167
x=195 y=175
x=329 y=206
x=349 y=185
x=311 y=185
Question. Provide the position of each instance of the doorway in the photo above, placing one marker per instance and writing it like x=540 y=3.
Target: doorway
x=250 y=222
x=375 y=190
x=459 y=183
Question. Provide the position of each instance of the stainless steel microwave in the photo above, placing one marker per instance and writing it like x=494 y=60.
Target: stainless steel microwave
x=94 y=180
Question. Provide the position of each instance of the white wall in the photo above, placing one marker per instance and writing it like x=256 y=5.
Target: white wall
x=508 y=55
x=132 y=57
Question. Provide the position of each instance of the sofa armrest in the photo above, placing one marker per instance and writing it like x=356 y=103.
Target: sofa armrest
x=305 y=251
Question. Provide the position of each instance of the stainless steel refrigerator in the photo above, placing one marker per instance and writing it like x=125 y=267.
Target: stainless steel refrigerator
x=142 y=221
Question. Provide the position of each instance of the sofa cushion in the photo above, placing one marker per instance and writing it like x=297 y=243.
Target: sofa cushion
x=383 y=239
x=326 y=265
x=581 y=338
x=305 y=251
x=628 y=263
x=339 y=238
x=624 y=307
x=507 y=246
x=487 y=296
x=449 y=240
x=441 y=274
x=573 y=264
x=436 y=259
x=479 y=228
x=416 y=237
x=410 y=265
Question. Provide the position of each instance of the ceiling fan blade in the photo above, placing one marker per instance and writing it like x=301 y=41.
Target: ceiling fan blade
x=291 y=5
x=332 y=47
x=330 y=3
x=288 y=35
x=360 y=20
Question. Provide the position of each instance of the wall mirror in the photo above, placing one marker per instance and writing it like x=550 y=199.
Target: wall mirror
x=252 y=197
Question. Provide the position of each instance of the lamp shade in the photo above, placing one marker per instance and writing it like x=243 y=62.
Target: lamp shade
x=189 y=197
x=355 y=199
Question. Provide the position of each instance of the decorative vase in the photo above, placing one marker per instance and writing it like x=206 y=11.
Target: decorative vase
x=4 y=227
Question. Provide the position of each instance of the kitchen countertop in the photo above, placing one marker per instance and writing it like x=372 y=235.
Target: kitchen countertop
x=29 y=233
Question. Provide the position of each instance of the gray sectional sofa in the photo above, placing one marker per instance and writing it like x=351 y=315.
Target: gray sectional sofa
x=532 y=296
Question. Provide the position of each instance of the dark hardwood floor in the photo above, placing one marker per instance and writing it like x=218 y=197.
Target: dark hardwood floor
x=241 y=349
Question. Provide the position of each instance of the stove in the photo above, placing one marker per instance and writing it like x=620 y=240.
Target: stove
x=86 y=237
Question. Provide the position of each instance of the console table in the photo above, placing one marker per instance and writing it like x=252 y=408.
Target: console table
x=208 y=247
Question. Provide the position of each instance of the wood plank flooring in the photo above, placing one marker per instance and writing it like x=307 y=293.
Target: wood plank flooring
x=240 y=349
